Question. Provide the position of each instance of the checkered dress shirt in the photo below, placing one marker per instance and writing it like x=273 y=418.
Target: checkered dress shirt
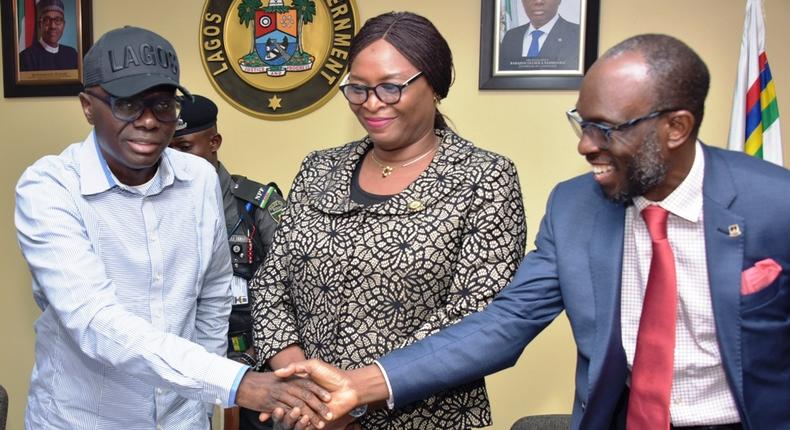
x=700 y=394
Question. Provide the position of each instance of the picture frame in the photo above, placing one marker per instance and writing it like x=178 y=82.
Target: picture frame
x=29 y=70
x=558 y=62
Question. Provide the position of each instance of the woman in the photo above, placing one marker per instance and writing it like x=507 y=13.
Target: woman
x=390 y=238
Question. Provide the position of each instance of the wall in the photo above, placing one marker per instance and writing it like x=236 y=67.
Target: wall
x=527 y=126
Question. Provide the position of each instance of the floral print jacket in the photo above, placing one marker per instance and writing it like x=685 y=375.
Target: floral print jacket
x=349 y=283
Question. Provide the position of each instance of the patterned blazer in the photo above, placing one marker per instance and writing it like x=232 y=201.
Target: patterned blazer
x=349 y=283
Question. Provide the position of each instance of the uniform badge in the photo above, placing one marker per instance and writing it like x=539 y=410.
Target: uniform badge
x=276 y=209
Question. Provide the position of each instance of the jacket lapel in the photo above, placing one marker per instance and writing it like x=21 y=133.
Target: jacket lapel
x=440 y=178
x=608 y=368
x=724 y=253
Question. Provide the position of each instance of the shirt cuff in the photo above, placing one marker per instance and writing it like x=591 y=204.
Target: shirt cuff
x=391 y=398
x=237 y=382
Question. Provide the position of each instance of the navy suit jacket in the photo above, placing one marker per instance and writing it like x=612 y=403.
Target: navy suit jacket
x=561 y=48
x=576 y=267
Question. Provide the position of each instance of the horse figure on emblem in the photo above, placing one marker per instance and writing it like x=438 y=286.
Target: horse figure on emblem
x=277 y=45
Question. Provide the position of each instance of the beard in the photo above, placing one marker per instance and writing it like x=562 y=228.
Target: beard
x=644 y=171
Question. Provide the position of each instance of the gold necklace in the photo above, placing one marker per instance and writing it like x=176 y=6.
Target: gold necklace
x=386 y=170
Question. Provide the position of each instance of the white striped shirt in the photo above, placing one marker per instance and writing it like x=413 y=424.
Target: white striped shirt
x=134 y=292
x=700 y=394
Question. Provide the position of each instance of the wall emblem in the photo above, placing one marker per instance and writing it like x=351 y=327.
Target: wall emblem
x=277 y=59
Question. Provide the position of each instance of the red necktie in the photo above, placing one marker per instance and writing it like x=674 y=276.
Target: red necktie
x=651 y=376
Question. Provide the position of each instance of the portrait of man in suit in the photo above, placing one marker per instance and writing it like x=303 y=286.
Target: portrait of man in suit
x=47 y=53
x=547 y=42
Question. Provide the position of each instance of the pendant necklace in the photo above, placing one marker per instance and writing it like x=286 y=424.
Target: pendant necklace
x=386 y=170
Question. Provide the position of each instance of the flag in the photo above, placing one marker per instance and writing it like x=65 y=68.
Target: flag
x=754 y=124
x=26 y=23
x=508 y=16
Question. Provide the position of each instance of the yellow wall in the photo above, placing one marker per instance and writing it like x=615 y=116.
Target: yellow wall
x=497 y=120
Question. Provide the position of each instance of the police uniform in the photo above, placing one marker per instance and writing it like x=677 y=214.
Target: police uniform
x=252 y=214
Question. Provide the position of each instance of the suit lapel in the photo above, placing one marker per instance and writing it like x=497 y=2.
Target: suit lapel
x=724 y=253
x=554 y=40
x=608 y=368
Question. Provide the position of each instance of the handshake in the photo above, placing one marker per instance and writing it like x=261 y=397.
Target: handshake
x=312 y=394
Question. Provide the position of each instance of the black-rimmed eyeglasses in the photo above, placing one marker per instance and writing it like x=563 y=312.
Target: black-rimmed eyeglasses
x=46 y=20
x=604 y=132
x=165 y=108
x=388 y=93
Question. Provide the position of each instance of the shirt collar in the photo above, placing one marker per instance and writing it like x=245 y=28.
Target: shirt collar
x=96 y=177
x=686 y=200
x=546 y=28
x=48 y=48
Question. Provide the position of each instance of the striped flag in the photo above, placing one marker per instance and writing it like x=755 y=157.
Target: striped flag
x=26 y=22
x=754 y=124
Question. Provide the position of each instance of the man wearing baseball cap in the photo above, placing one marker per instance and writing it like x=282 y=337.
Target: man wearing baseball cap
x=127 y=248
x=47 y=53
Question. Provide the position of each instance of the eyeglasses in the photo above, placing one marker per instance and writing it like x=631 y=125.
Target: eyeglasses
x=128 y=109
x=48 y=20
x=388 y=93
x=598 y=130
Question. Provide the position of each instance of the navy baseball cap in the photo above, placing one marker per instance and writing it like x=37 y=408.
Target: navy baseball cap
x=129 y=60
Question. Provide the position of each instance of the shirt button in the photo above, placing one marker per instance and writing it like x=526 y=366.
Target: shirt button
x=158 y=391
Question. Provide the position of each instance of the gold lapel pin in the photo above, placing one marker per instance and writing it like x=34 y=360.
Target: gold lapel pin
x=735 y=230
x=416 y=205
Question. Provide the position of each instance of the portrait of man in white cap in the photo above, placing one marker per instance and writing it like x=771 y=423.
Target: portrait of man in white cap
x=47 y=53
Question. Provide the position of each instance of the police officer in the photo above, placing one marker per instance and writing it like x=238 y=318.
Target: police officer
x=252 y=213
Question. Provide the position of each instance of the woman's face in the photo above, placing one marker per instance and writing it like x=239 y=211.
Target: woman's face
x=398 y=125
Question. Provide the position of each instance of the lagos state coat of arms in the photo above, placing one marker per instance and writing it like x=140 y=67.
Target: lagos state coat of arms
x=277 y=59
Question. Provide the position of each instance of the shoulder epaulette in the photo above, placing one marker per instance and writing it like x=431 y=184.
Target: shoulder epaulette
x=253 y=192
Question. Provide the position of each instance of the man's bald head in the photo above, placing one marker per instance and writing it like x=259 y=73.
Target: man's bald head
x=679 y=77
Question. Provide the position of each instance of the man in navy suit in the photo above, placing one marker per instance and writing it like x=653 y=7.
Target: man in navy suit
x=547 y=41
x=727 y=228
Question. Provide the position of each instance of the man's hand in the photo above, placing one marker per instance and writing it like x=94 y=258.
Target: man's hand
x=292 y=420
x=349 y=389
x=266 y=392
x=344 y=396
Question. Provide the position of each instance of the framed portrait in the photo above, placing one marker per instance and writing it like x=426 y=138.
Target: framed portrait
x=537 y=44
x=44 y=42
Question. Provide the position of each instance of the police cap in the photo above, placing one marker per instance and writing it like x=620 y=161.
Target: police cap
x=196 y=115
